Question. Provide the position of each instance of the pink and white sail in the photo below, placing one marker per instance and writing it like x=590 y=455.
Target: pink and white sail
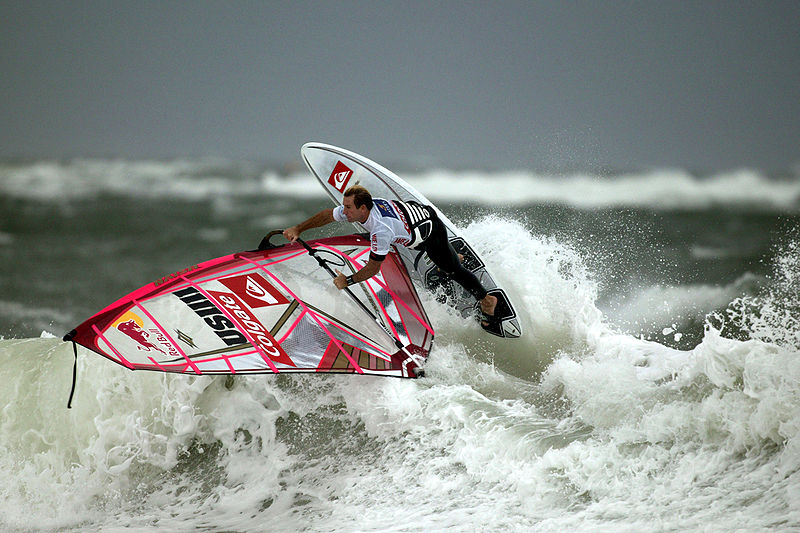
x=269 y=311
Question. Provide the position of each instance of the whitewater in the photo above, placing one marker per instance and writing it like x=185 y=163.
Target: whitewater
x=656 y=388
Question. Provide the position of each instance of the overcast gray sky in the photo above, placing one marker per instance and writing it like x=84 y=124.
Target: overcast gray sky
x=699 y=85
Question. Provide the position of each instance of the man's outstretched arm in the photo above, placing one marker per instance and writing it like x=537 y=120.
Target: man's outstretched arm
x=320 y=219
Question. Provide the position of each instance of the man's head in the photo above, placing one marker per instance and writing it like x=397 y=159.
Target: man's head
x=357 y=204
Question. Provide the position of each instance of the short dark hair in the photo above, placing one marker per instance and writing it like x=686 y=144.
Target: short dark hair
x=361 y=196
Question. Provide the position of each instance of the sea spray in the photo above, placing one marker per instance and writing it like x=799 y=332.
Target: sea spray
x=690 y=424
x=774 y=315
x=551 y=287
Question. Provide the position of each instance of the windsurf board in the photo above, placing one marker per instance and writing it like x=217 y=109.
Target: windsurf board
x=336 y=169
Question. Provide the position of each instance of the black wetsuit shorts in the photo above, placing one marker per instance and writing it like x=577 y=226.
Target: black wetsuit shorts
x=444 y=256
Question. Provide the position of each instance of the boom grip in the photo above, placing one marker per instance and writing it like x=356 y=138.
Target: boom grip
x=265 y=243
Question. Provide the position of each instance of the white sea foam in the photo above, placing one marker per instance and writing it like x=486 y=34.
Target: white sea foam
x=574 y=427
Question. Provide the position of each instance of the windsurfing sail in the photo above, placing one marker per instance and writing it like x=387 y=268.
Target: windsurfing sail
x=274 y=310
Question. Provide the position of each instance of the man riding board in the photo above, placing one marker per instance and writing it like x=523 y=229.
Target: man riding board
x=390 y=223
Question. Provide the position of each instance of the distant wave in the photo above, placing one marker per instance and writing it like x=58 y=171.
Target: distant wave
x=189 y=179
x=206 y=178
x=657 y=189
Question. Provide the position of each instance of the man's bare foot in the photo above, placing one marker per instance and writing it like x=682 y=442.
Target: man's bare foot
x=488 y=305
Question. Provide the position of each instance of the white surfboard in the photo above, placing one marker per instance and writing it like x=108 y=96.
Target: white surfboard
x=337 y=169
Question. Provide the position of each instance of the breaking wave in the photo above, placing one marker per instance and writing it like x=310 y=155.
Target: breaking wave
x=578 y=426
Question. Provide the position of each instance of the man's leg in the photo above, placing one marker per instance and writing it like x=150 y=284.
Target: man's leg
x=444 y=256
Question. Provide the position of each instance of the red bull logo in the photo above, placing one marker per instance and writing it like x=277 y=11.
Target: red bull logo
x=135 y=331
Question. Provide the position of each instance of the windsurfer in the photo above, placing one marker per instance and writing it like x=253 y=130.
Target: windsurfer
x=400 y=223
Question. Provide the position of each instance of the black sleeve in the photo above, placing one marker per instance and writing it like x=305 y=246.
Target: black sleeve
x=376 y=257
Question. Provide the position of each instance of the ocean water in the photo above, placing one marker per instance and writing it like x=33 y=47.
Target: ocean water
x=656 y=388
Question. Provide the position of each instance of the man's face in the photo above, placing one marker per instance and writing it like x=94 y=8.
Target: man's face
x=353 y=213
